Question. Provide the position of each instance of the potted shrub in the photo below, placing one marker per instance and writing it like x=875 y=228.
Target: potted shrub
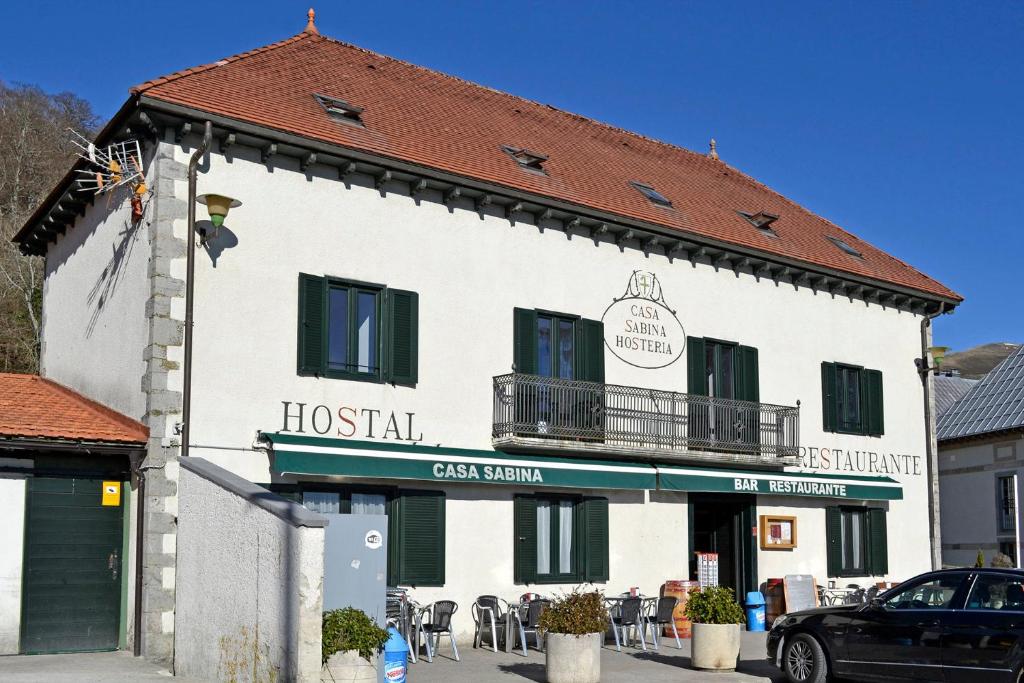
x=573 y=628
x=715 y=639
x=351 y=645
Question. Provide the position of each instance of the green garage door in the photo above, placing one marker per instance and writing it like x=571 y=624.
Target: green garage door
x=71 y=595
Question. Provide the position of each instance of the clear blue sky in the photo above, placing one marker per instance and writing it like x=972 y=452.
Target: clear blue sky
x=901 y=121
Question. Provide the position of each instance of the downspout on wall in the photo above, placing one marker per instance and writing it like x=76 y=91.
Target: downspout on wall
x=190 y=276
x=931 y=444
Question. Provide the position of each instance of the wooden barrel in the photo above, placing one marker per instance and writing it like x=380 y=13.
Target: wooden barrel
x=774 y=600
x=680 y=590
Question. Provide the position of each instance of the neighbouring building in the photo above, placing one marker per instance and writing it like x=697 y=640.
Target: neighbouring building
x=66 y=468
x=981 y=465
x=548 y=351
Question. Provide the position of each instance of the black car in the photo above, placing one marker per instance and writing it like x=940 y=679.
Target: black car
x=954 y=625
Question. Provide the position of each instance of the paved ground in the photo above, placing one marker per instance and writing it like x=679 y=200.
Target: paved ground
x=88 y=667
x=668 y=664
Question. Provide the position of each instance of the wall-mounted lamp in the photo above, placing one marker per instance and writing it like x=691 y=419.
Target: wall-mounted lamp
x=218 y=206
x=938 y=353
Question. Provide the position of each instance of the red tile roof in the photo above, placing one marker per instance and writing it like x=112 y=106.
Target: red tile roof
x=32 y=407
x=428 y=118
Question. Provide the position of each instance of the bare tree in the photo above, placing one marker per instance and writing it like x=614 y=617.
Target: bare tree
x=35 y=152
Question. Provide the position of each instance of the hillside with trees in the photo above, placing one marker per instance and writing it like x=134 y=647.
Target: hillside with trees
x=35 y=152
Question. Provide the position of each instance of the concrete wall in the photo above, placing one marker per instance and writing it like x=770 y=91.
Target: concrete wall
x=968 y=476
x=12 y=539
x=249 y=581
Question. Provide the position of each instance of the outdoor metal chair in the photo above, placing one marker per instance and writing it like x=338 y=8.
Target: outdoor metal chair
x=399 y=610
x=663 y=616
x=440 y=615
x=529 y=621
x=490 y=610
x=629 y=617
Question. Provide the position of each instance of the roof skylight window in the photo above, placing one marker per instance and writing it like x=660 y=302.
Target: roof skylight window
x=531 y=161
x=340 y=110
x=651 y=193
x=762 y=220
x=845 y=247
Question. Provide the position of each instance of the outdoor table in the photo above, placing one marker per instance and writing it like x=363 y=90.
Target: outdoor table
x=836 y=596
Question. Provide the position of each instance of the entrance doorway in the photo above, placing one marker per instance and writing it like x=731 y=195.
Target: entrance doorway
x=725 y=524
x=73 y=567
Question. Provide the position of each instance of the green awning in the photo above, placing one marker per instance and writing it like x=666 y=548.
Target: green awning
x=814 y=484
x=295 y=454
x=306 y=455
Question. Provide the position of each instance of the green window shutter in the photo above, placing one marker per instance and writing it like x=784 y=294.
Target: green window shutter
x=525 y=341
x=312 y=324
x=590 y=351
x=878 y=543
x=402 y=336
x=747 y=386
x=833 y=540
x=874 y=418
x=829 y=400
x=524 y=538
x=421 y=538
x=696 y=367
x=594 y=546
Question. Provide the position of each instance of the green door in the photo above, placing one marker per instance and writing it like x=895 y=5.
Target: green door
x=71 y=592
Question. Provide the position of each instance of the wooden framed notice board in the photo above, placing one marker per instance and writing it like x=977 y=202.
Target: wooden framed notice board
x=778 y=532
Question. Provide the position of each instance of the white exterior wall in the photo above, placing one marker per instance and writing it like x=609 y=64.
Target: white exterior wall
x=12 y=540
x=96 y=285
x=470 y=273
x=968 y=476
x=250 y=589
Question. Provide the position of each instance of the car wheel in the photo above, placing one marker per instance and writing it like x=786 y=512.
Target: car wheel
x=804 y=661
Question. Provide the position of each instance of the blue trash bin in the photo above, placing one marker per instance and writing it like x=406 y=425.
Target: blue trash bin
x=396 y=657
x=755 y=611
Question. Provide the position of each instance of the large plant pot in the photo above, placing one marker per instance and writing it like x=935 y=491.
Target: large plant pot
x=715 y=647
x=573 y=659
x=349 y=666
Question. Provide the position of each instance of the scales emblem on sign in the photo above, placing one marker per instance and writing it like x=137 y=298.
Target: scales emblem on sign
x=639 y=327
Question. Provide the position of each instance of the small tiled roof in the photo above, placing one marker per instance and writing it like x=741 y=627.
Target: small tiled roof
x=32 y=407
x=948 y=391
x=438 y=121
x=994 y=404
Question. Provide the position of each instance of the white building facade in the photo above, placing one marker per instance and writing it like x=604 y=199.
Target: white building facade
x=981 y=445
x=539 y=393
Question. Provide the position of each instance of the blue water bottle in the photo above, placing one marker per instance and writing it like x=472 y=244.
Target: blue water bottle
x=396 y=656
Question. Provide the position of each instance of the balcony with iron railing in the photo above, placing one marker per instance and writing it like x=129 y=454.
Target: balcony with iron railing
x=544 y=414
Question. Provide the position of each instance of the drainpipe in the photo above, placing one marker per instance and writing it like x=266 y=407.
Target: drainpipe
x=190 y=272
x=140 y=511
x=930 y=444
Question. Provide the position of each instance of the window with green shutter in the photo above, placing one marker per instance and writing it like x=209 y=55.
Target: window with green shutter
x=354 y=330
x=415 y=547
x=727 y=370
x=852 y=400
x=722 y=369
x=416 y=527
x=558 y=345
x=560 y=539
x=856 y=541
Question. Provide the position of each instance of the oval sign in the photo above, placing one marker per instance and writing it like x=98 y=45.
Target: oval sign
x=640 y=329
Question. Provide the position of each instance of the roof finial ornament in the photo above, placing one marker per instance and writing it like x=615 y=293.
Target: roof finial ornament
x=311 y=26
x=713 y=149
